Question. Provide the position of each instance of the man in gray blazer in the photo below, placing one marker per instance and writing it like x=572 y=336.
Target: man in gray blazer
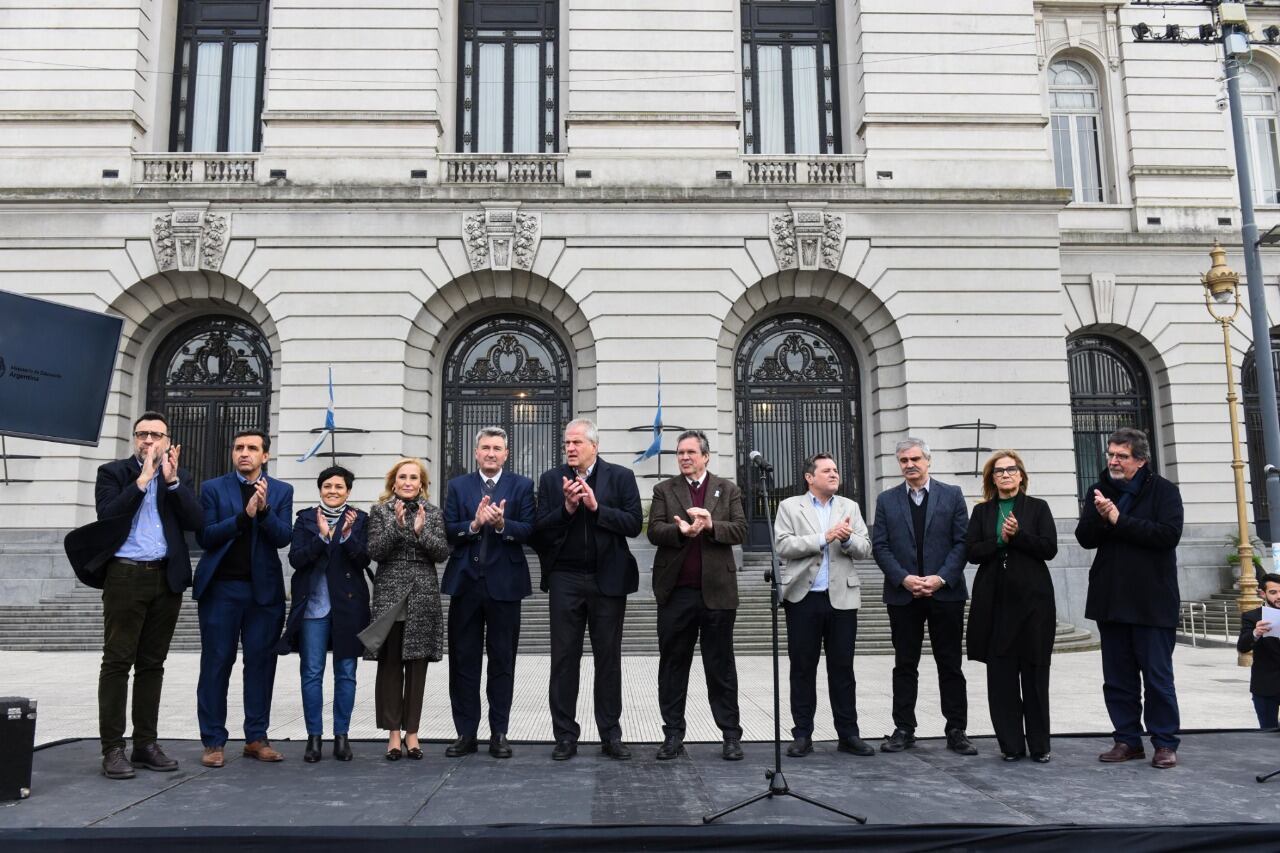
x=919 y=544
x=818 y=535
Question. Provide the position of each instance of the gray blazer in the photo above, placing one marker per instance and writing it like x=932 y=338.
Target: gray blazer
x=893 y=541
x=798 y=538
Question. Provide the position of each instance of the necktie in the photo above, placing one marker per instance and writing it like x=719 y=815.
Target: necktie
x=489 y=486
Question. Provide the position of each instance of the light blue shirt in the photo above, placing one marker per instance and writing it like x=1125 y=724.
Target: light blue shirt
x=318 y=601
x=146 y=540
x=823 y=510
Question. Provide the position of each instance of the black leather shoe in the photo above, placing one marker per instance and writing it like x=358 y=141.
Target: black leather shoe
x=152 y=757
x=898 y=741
x=800 y=747
x=958 y=742
x=672 y=747
x=615 y=749
x=564 y=750
x=1040 y=757
x=315 y=749
x=855 y=746
x=1011 y=756
x=732 y=749
x=114 y=765
x=464 y=745
x=498 y=746
x=341 y=748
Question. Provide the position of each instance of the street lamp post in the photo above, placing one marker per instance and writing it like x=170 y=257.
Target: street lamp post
x=1222 y=293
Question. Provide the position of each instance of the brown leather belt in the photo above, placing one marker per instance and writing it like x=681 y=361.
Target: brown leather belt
x=149 y=564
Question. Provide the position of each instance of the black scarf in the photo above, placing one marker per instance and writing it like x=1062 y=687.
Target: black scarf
x=1129 y=489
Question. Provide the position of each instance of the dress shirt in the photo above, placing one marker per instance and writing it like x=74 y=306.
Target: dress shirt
x=821 y=580
x=146 y=540
x=917 y=495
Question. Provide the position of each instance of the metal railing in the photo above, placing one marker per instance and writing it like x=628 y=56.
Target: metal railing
x=502 y=168
x=833 y=169
x=1192 y=611
x=195 y=168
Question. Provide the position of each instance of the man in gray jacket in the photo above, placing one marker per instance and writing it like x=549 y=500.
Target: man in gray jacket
x=818 y=535
x=919 y=544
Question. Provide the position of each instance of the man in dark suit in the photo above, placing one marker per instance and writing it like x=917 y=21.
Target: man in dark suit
x=144 y=504
x=239 y=587
x=488 y=515
x=919 y=544
x=587 y=509
x=695 y=520
x=1133 y=516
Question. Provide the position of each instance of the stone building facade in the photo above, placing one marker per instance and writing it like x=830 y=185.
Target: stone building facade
x=826 y=224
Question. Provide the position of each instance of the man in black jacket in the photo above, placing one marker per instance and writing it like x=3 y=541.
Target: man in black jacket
x=1264 y=677
x=587 y=509
x=144 y=504
x=1133 y=516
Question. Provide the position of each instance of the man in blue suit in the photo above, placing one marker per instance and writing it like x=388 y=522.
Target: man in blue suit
x=919 y=544
x=488 y=515
x=239 y=589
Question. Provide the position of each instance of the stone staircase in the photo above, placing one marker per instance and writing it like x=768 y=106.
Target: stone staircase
x=72 y=621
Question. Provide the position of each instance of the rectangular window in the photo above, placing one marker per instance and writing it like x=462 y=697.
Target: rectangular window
x=507 y=65
x=789 y=82
x=217 y=93
x=1261 y=136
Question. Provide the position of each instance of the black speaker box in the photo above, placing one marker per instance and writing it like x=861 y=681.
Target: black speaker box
x=17 y=742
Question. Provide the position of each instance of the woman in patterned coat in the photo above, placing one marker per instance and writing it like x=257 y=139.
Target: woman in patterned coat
x=407 y=539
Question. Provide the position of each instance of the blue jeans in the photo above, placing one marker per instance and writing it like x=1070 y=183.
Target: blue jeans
x=313 y=645
x=1268 y=709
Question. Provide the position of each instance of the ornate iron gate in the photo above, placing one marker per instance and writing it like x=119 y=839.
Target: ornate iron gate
x=796 y=393
x=513 y=372
x=212 y=378
x=1109 y=390
x=1253 y=435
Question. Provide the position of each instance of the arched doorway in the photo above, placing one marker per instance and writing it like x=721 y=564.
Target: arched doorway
x=1253 y=434
x=510 y=371
x=796 y=393
x=1109 y=390
x=212 y=378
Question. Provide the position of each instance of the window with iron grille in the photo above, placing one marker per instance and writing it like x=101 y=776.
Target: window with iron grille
x=218 y=75
x=790 y=84
x=508 y=72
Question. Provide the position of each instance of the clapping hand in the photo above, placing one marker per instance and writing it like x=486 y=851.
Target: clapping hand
x=1010 y=527
x=322 y=524
x=1105 y=507
x=687 y=529
x=841 y=530
x=701 y=517
x=169 y=464
x=420 y=519
x=258 y=502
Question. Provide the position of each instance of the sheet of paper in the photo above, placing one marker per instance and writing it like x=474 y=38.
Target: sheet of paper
x=1272 y=615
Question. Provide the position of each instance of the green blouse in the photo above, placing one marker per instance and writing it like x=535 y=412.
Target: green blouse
x=1004 y=510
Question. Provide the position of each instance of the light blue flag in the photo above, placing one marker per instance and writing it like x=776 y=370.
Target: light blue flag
x=656 y=447
x=330 y=424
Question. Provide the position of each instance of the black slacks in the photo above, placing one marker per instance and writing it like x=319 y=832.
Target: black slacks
x=812 y=625
x=680 y=623
x=946 y=634
x=480 y=624
x=577 y=603
x=1018 y=697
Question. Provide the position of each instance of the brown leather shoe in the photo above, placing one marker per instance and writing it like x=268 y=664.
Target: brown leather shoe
x=212 y=756
x=1164 y=759
x=261 y=750
x=1121 y=752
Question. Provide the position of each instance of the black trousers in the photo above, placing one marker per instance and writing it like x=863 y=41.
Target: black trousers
x=946 y=634
x=681 y=621
x=480 y=625
x=1018 y=697
x=812 y=625
x=1137 y=682
x=577 y=603
x=399 y=686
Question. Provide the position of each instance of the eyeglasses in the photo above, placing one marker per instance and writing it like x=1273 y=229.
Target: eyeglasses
x=1001 y=471
x=143 y=434
x=1119 y=456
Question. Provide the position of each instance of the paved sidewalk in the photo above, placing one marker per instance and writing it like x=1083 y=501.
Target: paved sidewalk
x=1212 y=692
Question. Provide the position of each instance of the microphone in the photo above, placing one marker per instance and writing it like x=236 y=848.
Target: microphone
x=758 y=460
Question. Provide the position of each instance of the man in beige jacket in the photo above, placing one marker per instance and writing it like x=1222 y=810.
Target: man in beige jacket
x=818 y=535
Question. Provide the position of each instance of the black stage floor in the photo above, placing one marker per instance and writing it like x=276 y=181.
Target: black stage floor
x=924 y=799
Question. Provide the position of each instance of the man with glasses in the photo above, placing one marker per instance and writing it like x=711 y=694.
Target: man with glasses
x=1133 y=516
x=144 y=504
x=695 y=520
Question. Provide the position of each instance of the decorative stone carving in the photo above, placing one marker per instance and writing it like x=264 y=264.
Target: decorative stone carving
x=190 y=238
x=502 y=237
x=1102 y=286
x=808 y=238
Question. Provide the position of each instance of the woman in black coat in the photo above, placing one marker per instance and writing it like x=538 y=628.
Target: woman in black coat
x=330 y=606
x=1012 y=617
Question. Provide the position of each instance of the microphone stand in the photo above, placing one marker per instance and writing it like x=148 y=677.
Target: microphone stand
x=777 y=782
